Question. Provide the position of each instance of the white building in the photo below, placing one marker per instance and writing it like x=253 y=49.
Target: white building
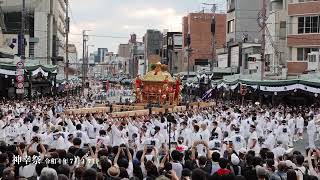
x=73 y=56
x=45 y=26
x=276 y=36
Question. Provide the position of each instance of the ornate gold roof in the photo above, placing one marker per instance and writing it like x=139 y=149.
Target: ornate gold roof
x=158 y=75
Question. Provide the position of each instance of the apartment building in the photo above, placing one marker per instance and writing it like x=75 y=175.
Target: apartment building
x=45 y=29
x=303 y=33
x=198 y=25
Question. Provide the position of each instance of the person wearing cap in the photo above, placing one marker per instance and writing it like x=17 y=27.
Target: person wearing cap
x=253 y=143
x=283 y=133
x=234 y=166
x=238 y=140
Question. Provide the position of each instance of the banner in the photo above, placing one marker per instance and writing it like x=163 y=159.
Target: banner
x=290 y=88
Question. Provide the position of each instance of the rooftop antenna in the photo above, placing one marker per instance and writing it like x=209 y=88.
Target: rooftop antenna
x=213 y=8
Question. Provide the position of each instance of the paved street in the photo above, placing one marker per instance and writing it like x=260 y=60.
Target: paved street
x=301 y=145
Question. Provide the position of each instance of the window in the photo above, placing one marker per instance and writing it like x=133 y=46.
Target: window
x=312 y=58
x=306 y=52
x=283 y=30
x=231 y=5
x=230 y=26
x=309 y=24
x=314 y=24
x=301 y=25
x=300 y=54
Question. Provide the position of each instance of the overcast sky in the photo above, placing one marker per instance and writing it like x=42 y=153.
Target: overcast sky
x=120 y=18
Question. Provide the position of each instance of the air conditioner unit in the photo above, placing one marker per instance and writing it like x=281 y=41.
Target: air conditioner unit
x=313 y=61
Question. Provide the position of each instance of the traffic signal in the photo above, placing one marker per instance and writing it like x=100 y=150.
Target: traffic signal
x=252 y=59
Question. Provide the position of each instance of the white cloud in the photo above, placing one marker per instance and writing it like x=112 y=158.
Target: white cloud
x=121 y=18
x=152 y=12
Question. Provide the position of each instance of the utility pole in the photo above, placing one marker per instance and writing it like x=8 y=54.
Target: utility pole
x=67 y=29
x=23 y=28
x=20 y=65
x=49 y=32
x=263 y=34
x=213 y=31
x=84 y=59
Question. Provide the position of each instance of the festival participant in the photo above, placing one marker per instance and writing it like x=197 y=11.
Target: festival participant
x=185 y=132
x=300 y=126
x=283 y=133
x=311 y=130
x=270 y=141
x=292 y=127
x=238 y=140
x=253 y=143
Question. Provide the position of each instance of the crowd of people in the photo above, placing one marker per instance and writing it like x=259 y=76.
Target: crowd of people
x=253 y=142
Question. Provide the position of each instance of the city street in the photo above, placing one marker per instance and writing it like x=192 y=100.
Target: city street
x=301 y=145
x=235 y=75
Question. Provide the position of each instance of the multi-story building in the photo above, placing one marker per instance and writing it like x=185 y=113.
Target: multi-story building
x=136 y=62
x=100 y=55
x=45 y=29
x=172 y=50
x=124 y=50
x=73 y=56
x=242 y=20
x=276 y=46
x=198 y=25
x=242 y=37
x=303 y=33
x=152 y=42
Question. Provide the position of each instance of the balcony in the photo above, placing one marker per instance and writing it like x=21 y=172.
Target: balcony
x=300 y=8
x=303 y=40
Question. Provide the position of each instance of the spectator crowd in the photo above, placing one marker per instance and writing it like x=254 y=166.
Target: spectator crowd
x=224 y=142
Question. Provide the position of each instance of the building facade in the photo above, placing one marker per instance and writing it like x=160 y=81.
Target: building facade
x=303 y=33
x=73 y=56
x=124 y=50
x=198 y=25
x=171 y=50
x=45 y=26
x=100 y=55
x=152 y=45
x=276 y=46
x=242 y=20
